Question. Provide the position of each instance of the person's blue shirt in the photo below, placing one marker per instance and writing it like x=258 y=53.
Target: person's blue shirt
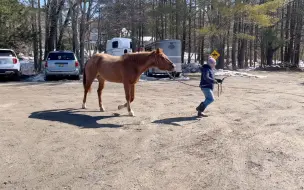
x=207 y=77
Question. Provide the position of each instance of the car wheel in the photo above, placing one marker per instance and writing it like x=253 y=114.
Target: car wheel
x=177 y=75
x=149 y=74
x=16 y=76
x=77 y=77
x=47 y=78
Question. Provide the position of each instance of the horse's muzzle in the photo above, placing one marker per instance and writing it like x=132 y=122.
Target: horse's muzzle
x=173 y=67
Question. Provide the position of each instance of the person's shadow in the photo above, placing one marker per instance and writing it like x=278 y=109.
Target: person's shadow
x=73 y=117
x=175 y=120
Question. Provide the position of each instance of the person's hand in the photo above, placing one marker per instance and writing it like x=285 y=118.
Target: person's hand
x=218 y=80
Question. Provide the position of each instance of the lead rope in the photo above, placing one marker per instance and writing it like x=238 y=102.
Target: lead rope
x=218 y=84
x=180 y=81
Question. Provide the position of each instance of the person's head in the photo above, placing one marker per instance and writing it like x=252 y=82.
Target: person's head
x=211 y=62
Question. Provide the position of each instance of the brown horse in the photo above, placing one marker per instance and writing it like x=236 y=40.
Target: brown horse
x=125 y=69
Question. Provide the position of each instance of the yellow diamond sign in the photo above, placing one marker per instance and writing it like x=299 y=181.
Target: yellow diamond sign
x=215 y=54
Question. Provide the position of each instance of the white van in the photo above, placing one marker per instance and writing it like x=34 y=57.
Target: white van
x=119 y=46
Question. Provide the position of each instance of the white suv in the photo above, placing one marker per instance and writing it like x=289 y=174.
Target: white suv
x=9 y=63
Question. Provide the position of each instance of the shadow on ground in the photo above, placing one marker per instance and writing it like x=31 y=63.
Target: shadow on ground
x=73 y=117
x=175 y=120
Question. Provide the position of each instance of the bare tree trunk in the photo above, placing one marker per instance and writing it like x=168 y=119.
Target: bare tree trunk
x=282 y=35
x=245 y=48
x=63 y=27
x=82 y=33
x=184 y=31
x=53 y=23
x=292 y=34
x=47 y=26
x=177 y=21
x=255 y=46
x=189 y=33
x=298 y=36
x=162 y=21
x=203 y=38
x=287 y=25
x=75 y=11
x=250 y=45
x=234 y=43
x=35 y=39
x=39 y=36
x=228 y=48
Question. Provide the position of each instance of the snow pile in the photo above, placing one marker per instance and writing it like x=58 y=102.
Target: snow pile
x=191 y=68
x=37 y=78
x=301 y=64
x=222 y=72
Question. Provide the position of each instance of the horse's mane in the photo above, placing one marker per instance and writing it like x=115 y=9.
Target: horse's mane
x=137 y=56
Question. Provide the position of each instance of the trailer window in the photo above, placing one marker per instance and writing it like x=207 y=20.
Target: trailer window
x=115 y=44
x=131 y=45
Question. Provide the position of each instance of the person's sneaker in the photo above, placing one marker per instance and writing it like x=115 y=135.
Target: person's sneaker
x=201 y=114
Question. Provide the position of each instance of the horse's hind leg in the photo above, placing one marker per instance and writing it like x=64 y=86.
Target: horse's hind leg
x=99 y=92
x=87 y=88
x=122 y=106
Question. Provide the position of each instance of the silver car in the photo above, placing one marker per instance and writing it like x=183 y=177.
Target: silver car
x=62 y=63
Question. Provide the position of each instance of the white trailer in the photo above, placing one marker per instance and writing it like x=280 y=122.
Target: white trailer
x=173 y=49
x=119 y=46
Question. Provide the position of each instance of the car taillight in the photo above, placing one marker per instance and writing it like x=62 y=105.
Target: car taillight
x=76 y=64
x=15 y=60
x=46 y=64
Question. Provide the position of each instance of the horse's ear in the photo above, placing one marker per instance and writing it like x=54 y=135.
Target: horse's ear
x=159 y=51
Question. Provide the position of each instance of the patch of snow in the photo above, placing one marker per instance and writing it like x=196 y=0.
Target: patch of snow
x=37 y=78
x=222 y=72
x=301 y=64
x=191 y=68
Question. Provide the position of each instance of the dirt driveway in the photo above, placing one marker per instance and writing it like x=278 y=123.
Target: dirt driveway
x=253 y=138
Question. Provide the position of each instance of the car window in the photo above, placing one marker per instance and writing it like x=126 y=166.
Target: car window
x=7 y=53
x=61 y=56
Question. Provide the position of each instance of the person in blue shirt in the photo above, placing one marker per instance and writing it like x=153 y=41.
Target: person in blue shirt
x=207 y=85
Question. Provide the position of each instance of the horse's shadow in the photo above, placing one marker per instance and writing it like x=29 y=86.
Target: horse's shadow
x=73 y=117
x=175 y=120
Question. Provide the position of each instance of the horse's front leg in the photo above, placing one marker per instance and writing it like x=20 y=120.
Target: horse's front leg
x=127 y=88
x=99 y=92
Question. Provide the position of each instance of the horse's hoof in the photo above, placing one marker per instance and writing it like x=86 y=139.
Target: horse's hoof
x=102 y=109
x=131 y=113
x=84 y=106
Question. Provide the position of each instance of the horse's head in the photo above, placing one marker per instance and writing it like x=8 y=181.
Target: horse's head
x=161 y=61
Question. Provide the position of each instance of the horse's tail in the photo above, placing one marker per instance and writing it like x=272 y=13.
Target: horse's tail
x=84 y=80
